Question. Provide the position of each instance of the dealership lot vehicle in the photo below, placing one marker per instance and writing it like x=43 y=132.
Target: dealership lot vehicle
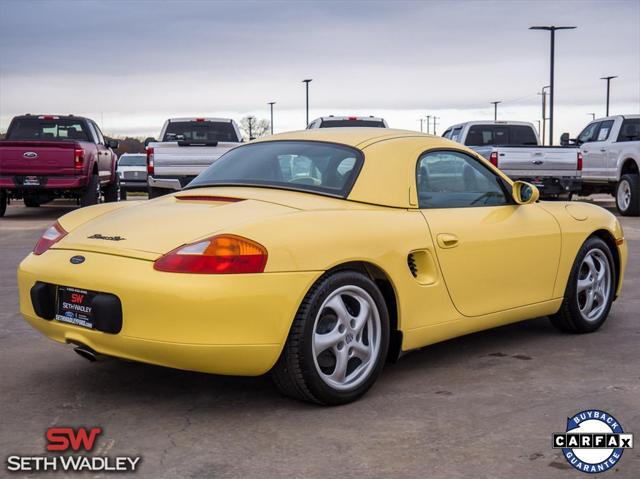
x=462 y=249
x=515 y=148
x=186 y=148
x=611 y=151
x=48 y=156
x=132 y=170
x=347 y=121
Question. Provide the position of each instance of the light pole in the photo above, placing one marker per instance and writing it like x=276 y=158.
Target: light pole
x=608 y=89
x=434 y=123
x=306 y=82
x=250 y=121
x=271 y=103
x=544 y=112
x=495 y=109
x=421 y=121
x=552 y=29
x=428 y=122
x=593 y=116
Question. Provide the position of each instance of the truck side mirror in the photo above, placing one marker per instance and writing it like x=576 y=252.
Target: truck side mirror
x=113 y=144
x=564 y=139
x=149 y=140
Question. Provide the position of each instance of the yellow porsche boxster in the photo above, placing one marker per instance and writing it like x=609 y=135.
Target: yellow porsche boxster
x=320 y=255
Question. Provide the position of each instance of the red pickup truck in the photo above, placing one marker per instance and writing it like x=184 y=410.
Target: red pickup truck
x=44 y=157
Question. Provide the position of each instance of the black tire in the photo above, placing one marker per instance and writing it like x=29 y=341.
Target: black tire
x=631 y=185
x=31 y=202
x=569 y=318
x=91 y=194
x=156 y=192
x=3 y=203
x=123 y=194
x=296 y=372
x=112 y=192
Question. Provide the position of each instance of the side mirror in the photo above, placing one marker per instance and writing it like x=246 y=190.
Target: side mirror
x=564 y=139
x=149 y=140
x=113 y=144
x=524 y=193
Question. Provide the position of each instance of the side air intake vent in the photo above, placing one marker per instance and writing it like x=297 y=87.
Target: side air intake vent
x=411 y=262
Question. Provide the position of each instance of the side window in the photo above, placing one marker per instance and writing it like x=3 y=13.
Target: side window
x=589 y=133
x=604 y=130
x=630 y=130
x=99 y=133
x=94 y=135
x=455 y=134
x=449 y=179
x=447 y=134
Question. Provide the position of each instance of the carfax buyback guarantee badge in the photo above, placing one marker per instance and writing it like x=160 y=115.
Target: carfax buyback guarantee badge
x=593 y=442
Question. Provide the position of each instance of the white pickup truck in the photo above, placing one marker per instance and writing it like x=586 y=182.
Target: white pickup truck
x=186 y=148
x=514 y=147
x=611 y=150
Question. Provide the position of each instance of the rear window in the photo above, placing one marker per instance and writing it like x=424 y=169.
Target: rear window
x=41 y=129
x=133 y=160
x=630 y=130
x=342 y=123
x=200 y=132
x=312 y=166
x=501 y=135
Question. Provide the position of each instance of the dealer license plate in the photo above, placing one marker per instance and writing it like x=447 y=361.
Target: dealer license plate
x=31 y=181
x=74 y=306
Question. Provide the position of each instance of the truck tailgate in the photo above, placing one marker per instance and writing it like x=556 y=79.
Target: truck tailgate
x=538 y=160
x=173 y=159
x=37 y=158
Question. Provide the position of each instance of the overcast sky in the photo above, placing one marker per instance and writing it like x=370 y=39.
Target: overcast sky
x=132 y=64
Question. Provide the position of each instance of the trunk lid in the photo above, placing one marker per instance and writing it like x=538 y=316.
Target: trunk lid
x=37 y=157
x=152 y=228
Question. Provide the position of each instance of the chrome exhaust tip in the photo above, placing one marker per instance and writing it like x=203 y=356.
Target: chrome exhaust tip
x=87 y=353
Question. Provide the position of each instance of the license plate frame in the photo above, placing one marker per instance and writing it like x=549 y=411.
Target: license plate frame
x=31 y=181
x=74 y=306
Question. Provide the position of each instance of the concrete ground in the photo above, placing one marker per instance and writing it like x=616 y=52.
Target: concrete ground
x=484 y=405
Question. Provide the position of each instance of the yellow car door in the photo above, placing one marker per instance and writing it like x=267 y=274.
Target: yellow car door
x=494 y=254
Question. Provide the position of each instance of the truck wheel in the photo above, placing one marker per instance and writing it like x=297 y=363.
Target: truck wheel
x=112 y=192
x=91 y=194
x=156 y=192
x=628 y=195
x=123 y=194
x=3 y=202
x=31 y=202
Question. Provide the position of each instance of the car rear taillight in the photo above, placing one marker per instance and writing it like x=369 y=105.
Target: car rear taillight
x=223 y=254
x=493 y=158
x=150 y=160
x=352 y=118
x=199 y=120
x=78 y=158
x=579 y=161
x=50 y=237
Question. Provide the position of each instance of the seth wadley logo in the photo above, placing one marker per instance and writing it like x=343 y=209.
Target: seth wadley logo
x=593 y=442
x=68 y=439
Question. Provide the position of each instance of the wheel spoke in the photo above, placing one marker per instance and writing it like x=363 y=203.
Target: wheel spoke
x=360 y=351
x=588 y=305
x=337 y=305
x=363 y=316
x=583 y=284
x=588 y=260
x=326 y=341
x=340 y=372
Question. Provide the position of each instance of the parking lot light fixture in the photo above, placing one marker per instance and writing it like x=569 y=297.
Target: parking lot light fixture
x=495 y=109
x=552 y=29
x=608 y=90
x=306 y=82
x=593 y=116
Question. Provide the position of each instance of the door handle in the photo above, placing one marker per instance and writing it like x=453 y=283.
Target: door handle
x=446 y=240
x=603 y=150
x=585 y=151
x=537 y=162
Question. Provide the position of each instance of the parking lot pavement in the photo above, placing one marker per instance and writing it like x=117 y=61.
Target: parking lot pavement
x=484 y=405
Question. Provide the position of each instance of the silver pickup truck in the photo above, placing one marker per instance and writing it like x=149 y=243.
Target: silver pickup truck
x=514 y=147
x=186 y=148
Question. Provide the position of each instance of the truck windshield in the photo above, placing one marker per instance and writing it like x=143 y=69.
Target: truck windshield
x=47 y=129
x=341 y=123
x=501 y=135
x=200 y=131
x=133 y=160
x=312 y=166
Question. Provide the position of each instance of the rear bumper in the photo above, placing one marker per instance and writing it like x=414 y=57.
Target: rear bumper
x=131 y=185
x=223 y=324
x=46 y=183
x=550 y=185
